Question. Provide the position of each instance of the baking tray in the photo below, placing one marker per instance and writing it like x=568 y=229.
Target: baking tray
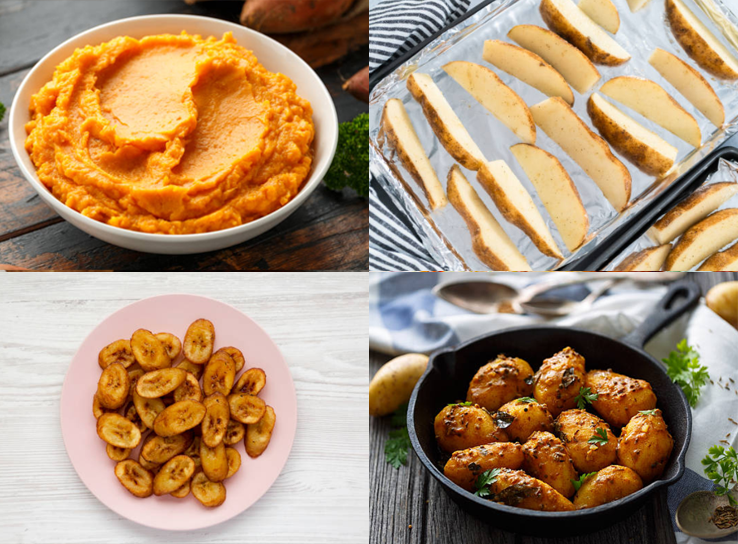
x=443 y=232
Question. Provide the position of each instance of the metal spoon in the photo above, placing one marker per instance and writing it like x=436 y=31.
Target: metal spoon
x=557 y=307
x=694 y=513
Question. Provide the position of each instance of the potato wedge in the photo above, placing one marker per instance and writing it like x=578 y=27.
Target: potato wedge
x=118 y=431
x=246 y=408
x=171 y=343
x=149 y=351
x=160 y=449
x=214 y=461
x=650 y=259
x=157 y=383
x=234 y=461
x=113 y=387
x=602 y=12
x=236 y=355
x=209 y=493
x=234 y=432
x=116 y=453
x=179 y=417
x=189 y=389
x=635 y=5
x=116 y=352
x=183 y=491
x=252 y=381
x=148 y=409
x=173 y=475
x=135 y=478
x=259 y=434
x=704 y=239
x=725 y=261
x=219 y=374
x=215 y=422
x=195 y=370
x=97 y=408
x=199 y=341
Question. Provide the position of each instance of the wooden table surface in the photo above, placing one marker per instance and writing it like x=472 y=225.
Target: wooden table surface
x=329 y=232
x=408 y=505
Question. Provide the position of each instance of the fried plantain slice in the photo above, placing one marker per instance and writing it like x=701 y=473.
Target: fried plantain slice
x=148 y=409
x=116 y=453
x=234 y=433
x=189 y=389
x=214 y=461
x=247 y=409
x=114 y=429
x=113 y=387
x=160 y=449
x=172 y=345
x=148 y=465
x=134 y=375
x=131 y=414
x=149 y=351
x=173 y=475
x=209 y=493
x=199 y=341
x=259 y=434
x=116 y=352
x=236 y=355
x=135 y=478
x=219 y=375
x=234 y=461
x=251 y=381
x=195 y=370
x=97 y=408
x=182 y=492
x=215 y=422
x=157 y=383
x=179 y=417
x=193 y=451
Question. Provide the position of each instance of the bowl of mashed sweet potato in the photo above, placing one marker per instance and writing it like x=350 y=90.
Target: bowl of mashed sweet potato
x=173 y=134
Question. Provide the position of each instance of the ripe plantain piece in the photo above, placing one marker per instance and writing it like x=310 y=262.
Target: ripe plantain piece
x=173 y=475
x=179 y=417
x=116 y=453
x=545 y=457
x=465 y=466
x=135 y=478
x=558 y=380
x=619 y=397
x=157 y=383
x=576 y=428
x=160 y=449
x=460 y=427
x=148 y=409
x=215 y=422
x=529 y=417
x=499 y=381
x=113 y=387
x=134 y=375
x=236 y=355
x=131 y=415
x=148 y=465
x=183 y=491
x=97 y=408
x=516 y=488
x=645 y=445
x=259 y=434
x=722 y=261
x=650 y=259
x=609 y=484
x=219 y=374
x=193 y=451
x=189 y=389
x=149 y=351
x=246 y=408
x=116 y=352
x=171 y=343
x=199 y=341
x=234 y=461
x=214 y=461
x=703 y=240
x=209 y=493
x=251 y=381
x=118 y=431
x=234 y=432
x=195 y=370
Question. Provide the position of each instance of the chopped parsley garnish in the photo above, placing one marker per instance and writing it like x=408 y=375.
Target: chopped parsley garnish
x=527 y=400
x=648 y=412
x=599 y=438
x=398 y=443
x=468 y=403
x=721 y=466
x=684 y=368
x=578 y=483
x=487 y=478
x=585 y=397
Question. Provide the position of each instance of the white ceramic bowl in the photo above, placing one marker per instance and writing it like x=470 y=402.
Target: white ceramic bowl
x=273 y=55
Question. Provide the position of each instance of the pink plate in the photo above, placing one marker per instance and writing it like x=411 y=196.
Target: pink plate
x=174 y=313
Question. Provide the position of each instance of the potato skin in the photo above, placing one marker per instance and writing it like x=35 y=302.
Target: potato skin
x=609 y=484
x=645 y=445
x=558 y=380
x=619 y=397
x=500 y=381
x=393 y=384
x=516 y=488
x=529 y=418
x=546 y=458
x=460 y=427
x=465 y=466
x=575 y=428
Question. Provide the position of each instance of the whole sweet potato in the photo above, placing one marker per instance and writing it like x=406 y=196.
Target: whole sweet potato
x=285 y=16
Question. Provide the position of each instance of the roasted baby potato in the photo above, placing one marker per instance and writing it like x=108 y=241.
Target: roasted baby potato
x=234 y=461
x=182 y=492
x=219 y=375
x=234 y=432
x=209 y=493
x=148 y=409
x=199 y=341
x=215 y=422
x=259 y=434
x=171 y=344
x=195 y=370
x=251 y=381
x=135 y=478
x=173 y=475
x=116 y=352
x=558 y=380
x=113 y=387
x=587 y=438
x=116 y=453
x=546 y=458
x=245 y=408
x=236 y=355
x=528 y=417
x=460 y=427
x=516 y=488
x=500 y=381
x=160 y=449
x=157 y=383
x=645 y=445
x=466 y=465
x=149 y=351
x=116 y=430
x=214 y=461
x=609 y=484
x=189 y=389
x=179 y=417
x=619 y=397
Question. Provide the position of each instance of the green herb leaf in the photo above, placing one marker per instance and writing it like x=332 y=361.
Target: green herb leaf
x=399 y=417
x=485 y=479
x=585 y=397
x=648 y=412
x=721 y=466
x=468 y=403
x=599 y=438
x=684 y=369
x=350 y=166
x=527 y=400
x=395 y=449
x=2 y=111
x=582 y=478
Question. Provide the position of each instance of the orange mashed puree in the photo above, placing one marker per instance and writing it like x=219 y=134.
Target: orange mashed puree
x=170 y=134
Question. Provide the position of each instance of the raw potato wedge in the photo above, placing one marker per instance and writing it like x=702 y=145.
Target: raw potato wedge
x=528 y=68
x=587 y=149
x=646 y=150
x=234 y=461
x=703 y=239
x=118 y=431
x=113 y=387
x=650 y=259
x=445 y=124
x=602 y=12
x=116 y=352
x=570 y=62
x=653 y=102
x=148 y=409
x=116 y=453
x=182 y=492
x=246 y=408
x=215 y=422
x=635 y=5
x=195 y=370
x=214 y=461
x=690 y=84
x=251 y=381
x=259 y=434
x=209 y=493
x=725 y=261
x=516 y=205
x=570 y=22
x=189 y=389
x=179 y=417
x=173 y=475
x=135 y=478
x=171 y=343
x=236 y=355
x=402 y=137
x=157 y=383
x=557 y=192
x=149 y=351
x=691 y=210
x=490 y=242
x=199 y=341
x=699 y=43
x=219 y=375
x=499 y=99
x=160 y=449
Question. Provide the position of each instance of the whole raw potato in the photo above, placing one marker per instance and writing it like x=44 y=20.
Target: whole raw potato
x=393 y=384
x=723 y=300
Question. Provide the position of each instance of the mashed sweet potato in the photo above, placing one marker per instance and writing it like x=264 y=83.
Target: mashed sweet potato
x=170 y=134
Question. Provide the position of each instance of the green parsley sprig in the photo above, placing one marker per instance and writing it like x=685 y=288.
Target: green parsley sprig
x=398 y=443
x=585 y=397
x=599 y=438
x=648 y=412
x=582 y=478
x=684 y=368
x=527 y=400
x=721 y=466
x=485 y=479
x=2 y=111
x=467 y=403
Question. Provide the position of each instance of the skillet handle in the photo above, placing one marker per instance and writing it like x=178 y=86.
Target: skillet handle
x=681 y=297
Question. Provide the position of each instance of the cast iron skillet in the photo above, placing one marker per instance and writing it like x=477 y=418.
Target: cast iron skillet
x=449 y=371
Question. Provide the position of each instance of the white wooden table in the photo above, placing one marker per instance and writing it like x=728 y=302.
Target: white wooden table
x=318 y=320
